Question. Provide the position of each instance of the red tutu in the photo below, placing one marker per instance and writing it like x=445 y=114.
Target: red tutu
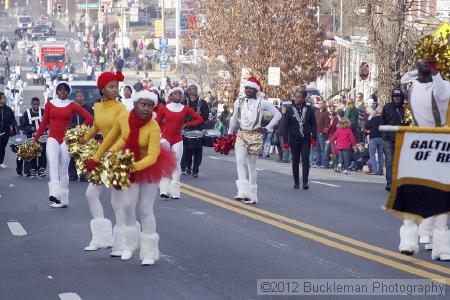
x=164 y=166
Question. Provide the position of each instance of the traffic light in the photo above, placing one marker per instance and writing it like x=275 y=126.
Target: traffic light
x=59 y=8
x=102 y=8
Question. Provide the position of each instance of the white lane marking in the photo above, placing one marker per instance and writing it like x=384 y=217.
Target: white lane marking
x=259 y=169
x=69 y=296
x=214 y=157
x=328 y=184
x=16 y=228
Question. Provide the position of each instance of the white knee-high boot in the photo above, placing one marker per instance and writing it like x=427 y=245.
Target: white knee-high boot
x=130 y=241
x=149 y=248
x=101 y=234
x=253 y=195
x=409 y=235
x=164 y=188
x=243 y=192
x=117 y=241
x=441 y=239
x=426 y=230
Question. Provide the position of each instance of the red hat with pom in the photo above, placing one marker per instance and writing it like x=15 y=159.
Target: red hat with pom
x=107 y=77
x=254 y=83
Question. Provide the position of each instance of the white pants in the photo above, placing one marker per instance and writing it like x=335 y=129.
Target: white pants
x=243 y=158
x=144 y=194
x=58 y=162
x=93 y=193
x=178 y=150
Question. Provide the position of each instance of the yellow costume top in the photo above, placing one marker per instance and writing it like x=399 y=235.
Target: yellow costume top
x=149 y=136
x=105 y=114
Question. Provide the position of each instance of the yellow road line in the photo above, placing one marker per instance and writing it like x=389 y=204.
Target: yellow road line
x=385 y=261
x=325 y=232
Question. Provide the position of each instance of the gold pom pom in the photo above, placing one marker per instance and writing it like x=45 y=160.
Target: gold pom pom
x=86 y=152
x=409 y=118
x=29 y=151
x=435 y=48
x=117 y=168
x=73 y=137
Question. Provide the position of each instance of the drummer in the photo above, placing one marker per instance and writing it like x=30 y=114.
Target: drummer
x=201 y=107
x=32 y=118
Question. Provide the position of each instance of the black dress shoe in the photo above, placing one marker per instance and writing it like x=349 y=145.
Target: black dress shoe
x=73 y=179
x=388 y=188
x=305 y=186
x=195 y=174
x=296 y=186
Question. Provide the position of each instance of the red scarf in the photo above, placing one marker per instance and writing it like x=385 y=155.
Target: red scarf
x=132 y=142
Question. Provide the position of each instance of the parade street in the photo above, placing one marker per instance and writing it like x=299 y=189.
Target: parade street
x=212 y=247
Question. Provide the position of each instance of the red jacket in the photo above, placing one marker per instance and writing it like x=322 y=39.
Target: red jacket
x=343 y=137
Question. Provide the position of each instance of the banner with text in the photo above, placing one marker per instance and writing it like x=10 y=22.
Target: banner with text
x=421 y=172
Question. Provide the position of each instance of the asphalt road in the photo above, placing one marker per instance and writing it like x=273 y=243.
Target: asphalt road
x=212 y=247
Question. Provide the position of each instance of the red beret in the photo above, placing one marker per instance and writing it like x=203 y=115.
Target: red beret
x=107 y=77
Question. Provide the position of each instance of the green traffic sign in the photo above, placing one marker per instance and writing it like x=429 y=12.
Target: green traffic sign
x=89 y=5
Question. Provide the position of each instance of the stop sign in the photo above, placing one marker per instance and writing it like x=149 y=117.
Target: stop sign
x=364 y=71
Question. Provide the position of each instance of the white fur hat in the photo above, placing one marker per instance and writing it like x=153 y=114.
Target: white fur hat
x=176 y=89
x=65 y=83
x=144 y=94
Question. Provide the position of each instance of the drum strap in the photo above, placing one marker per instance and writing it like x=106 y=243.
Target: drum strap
x=37 y=120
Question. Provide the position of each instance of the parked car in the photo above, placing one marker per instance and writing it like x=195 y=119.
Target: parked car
x=89 y=89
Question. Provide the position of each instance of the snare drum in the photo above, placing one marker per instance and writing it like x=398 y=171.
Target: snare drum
x=193 y=139
x=43 y=139
x=16 y=141
x=209 y=137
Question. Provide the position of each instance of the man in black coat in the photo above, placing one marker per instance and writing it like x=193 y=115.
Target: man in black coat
x=192 y=157
x=8 y=127
x=299 y=128
x=393 y=114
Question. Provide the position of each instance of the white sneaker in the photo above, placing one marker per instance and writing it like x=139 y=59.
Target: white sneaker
x=57 y=205
x=147 y=262
x=126 y=255
x=346 y=172
x=3 y=166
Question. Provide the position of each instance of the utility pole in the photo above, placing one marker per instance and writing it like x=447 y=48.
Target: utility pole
x=163 y=18
x=177 y=32
x=341 y=28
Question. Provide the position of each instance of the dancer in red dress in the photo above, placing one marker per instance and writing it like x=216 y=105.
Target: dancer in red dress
x=171 y=119
x=58 y=114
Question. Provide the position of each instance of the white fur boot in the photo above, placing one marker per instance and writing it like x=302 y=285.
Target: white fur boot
x=409 y=235
x=117 y=247
x=101 y=234
x=54 y=192
x=164 y=188
x=64 y=197
x=175 y=189
x=426 y=231
x=253 y=195
x=149 y=249
x=130 y=241
x=242 y=190
x=441 y=244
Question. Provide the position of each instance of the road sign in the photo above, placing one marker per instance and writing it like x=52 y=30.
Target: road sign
x=444 y=29
x=163 y=65
x=158 y=28
x=134 y=14
x=89 y=5
x=274 y=76
x=163 y=44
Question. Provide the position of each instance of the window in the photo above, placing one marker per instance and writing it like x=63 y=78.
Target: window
x=54 y=58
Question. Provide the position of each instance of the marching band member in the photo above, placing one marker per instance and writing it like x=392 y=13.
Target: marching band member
x=106 y=110
x=140 y=133
x=171 y=117
x=247 y=116
x=429 y=100
x=57 y=115
x=192 y=158
x=127 y=98
x=32 y=119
